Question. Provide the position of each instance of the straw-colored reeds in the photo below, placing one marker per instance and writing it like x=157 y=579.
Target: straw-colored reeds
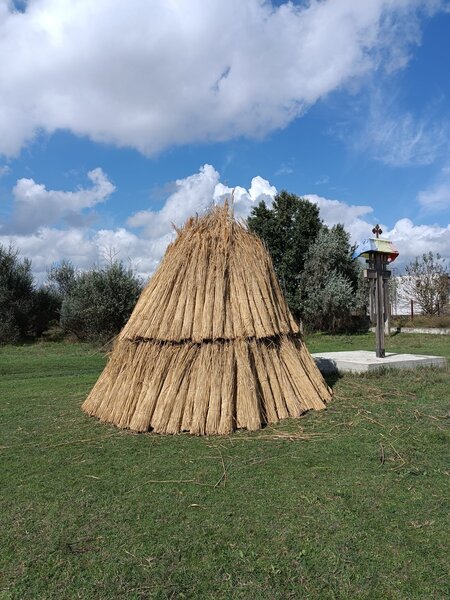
x=211 y=345
x=216 y=281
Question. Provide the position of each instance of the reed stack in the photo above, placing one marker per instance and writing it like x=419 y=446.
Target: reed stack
x=211 y=345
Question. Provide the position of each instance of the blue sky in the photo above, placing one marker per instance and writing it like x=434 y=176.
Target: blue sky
x=117 y=119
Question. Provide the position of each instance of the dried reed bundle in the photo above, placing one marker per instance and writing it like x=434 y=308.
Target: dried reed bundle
x=216 y=281
x=207 y=388
x=211 y=345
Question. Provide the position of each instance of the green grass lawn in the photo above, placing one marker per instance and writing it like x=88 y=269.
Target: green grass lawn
x=349 y=503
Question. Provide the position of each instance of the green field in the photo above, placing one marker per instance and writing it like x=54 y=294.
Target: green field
x=350 y=503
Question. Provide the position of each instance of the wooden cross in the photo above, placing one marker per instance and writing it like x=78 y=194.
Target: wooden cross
x=377 y=230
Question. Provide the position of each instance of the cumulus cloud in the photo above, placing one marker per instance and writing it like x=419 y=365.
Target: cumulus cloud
x=192 y=194
x=154 y=74
x=35 y=206
x=414 y=240
x=244 y=200
x=411 y=240
x=143 y=250
x=437 y=197
x=144 y=246
x=195 y=194
x=86 y=247
x=334 y=211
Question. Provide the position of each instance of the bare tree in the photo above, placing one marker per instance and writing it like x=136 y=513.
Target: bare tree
x=427 y=283
x=109 y=255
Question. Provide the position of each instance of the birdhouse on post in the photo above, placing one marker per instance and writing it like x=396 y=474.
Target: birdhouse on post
x=378 y=254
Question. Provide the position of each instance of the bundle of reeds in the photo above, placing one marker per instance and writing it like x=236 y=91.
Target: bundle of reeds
x=211 y=345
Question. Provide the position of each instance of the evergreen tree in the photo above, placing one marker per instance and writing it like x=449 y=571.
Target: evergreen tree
x=330 y=286
x=288 y=229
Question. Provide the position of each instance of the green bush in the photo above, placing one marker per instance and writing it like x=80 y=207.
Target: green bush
x=330 y=288
x=25 y=311
x=45 y=311
x=99 y=302
x=16 y=295
x=61 y=278
x=93 y=306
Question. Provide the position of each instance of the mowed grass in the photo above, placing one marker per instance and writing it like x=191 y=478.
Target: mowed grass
x=348 y=503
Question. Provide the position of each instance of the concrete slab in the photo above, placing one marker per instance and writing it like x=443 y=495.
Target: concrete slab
x=427 y=330
x=363 y=361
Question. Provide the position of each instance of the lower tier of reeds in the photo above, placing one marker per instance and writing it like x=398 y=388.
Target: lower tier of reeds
x=209 y=388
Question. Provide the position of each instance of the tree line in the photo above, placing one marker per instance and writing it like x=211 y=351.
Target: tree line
x=323 y=286
x=90 y=305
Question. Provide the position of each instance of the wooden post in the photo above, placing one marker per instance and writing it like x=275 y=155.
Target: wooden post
x=387 y=303
x=379 y=307
x=372 y=313
x=379 y=294
x=369 y=274
x=412 y=310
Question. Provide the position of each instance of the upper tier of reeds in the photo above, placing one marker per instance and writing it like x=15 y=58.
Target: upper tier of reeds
x=216 y=281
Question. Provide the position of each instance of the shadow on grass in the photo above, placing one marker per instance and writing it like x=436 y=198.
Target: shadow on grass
x=332 y=378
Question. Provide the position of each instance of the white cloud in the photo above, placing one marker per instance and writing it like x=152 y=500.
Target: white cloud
x=284 y=169
x=414 y=240
x=437 y=197
x=243 y=200
x=35 y=207
x=4 y=170
x=49 y=245
x=334 y=211
x=410 y=239
x=194 y=194
x=151 y=74
x=402 y=139
x=84 y=247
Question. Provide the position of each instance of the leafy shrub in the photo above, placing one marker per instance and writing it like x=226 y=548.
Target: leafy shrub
x=16 y=295
x=44 y=312
x=93 y=305
x=330 y=288
x=25 y=311
x=99 y=302
x=61 y=278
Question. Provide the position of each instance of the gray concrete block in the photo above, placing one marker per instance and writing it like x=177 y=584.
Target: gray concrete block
x=427 y=330
x=363 y=361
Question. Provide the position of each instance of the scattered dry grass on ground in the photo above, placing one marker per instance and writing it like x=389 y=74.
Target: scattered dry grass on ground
x=346 y=503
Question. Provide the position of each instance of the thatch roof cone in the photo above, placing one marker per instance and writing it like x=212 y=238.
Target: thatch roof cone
x=211 y=345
